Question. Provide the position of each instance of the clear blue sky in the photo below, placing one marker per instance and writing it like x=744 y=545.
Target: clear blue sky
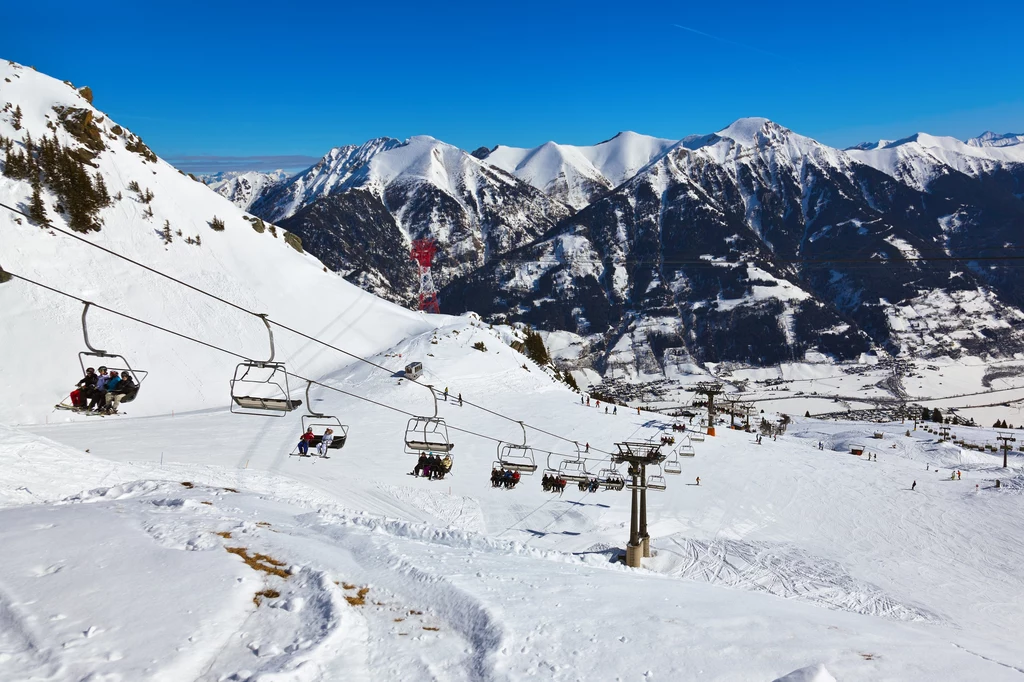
x=227 y=78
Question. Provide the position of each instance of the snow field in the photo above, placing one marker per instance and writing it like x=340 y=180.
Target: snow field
x=783 y=558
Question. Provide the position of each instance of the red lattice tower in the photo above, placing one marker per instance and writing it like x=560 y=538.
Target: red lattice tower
x=423 y=251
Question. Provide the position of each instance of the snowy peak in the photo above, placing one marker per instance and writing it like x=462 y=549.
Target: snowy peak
x=919 y=159
x=243 y=188
x=748 y=131
x=990 y=139
x=577 y=174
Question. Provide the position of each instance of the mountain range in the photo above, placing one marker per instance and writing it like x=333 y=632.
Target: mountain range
x=753 y=244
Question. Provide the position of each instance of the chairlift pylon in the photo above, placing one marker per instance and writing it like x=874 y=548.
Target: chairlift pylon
x=515 y=457
x=112 y=361
x=427 y=434
x=269 y=374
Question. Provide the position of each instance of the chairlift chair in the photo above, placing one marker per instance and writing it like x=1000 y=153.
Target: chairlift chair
x=320 y=423
x=515 y=457
x=260 y=387
x=656 y=481
x=672 y=465
x=610 y=479
x=685 y=451
x=696 y=436
x=427 y=434
x=112 y=361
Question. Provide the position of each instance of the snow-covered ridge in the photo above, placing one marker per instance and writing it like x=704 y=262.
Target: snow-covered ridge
x=242 y=188
x=576 y=174
x=248 y=262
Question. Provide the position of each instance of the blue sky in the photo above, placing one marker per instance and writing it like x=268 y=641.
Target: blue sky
x=239 y=79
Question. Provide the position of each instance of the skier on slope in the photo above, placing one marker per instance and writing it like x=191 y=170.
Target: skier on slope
x=913 y=485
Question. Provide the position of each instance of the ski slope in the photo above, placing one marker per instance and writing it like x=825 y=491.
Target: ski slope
x=41 y=331
x=784 y=559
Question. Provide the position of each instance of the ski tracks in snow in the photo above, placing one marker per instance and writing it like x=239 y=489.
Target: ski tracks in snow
x=780 y=570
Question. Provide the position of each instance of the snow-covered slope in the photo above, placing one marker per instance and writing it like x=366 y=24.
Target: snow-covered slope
x=578 y=174
x=248 y=262
x=243 y=188
x=785 y=562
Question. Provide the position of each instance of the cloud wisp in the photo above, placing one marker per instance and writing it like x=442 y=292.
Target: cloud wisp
x=728 y=42
x=218 y=164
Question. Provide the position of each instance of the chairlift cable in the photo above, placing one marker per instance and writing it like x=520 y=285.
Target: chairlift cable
x=266 y=319
x=242 y=357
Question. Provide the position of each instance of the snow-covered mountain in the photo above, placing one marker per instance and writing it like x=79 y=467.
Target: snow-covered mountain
x=359 y=208
x=576 y=175
x=991 y=139
x=759 y=245
x=920 y=159
x=149 y=211
x=242 y=188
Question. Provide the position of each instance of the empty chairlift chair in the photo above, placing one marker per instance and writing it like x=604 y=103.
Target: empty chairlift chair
x=656 y=481
x=260 y=387
x=427 y=434
x=574 y=470
x=672 y=464
x=515 y=457
x=112 y=361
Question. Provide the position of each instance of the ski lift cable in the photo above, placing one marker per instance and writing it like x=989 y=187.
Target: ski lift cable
x=242 y=357
x=268 y=321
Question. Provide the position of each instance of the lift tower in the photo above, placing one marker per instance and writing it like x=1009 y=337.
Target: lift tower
x=709 y=389
x=638 y=456
x=423 y=251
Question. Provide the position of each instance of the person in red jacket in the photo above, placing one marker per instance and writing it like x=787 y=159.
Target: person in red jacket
x=304 y=442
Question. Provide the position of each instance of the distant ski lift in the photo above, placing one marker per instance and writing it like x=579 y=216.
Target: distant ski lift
x=112 y=361
x=515 y=457
x=413 y=370
x=320 y=423
x=427 y=434
x=260 y=387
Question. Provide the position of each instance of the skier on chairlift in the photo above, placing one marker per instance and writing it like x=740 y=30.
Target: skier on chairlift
x=304 y=441
x=325 y=443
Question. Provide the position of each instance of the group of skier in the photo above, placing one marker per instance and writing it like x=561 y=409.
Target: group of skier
x=553 y=483
x=504 y=478
x=103 y=393
x=432 y=466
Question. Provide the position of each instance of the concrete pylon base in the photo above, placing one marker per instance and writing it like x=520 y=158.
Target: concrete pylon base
x=711 y=430
x=633 y=555
x=646 y=544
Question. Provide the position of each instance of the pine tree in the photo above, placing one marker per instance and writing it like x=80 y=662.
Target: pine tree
x=167 y=231
x=36 y=208
x=102 y=196
x=133 y=186
x=148 y=213
x=17 y=117
x=535 y=349
x=937 y=416
x=147 y=196
x=217 y=225
x=199 y=240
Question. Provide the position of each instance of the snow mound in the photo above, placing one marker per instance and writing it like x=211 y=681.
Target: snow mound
x=814 y=673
